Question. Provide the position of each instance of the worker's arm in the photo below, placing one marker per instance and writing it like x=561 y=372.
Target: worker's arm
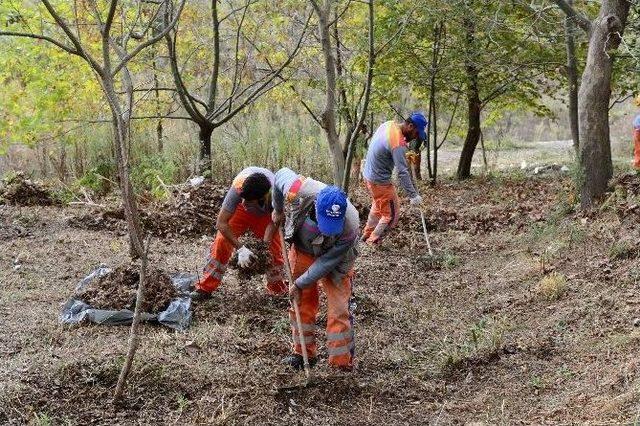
x=223 y=226
x=269 y=232
x=282 y=182
x=324 y=264
x=400 y=161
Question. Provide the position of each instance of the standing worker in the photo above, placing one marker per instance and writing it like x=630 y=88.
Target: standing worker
x=636 y=138
x=247 y=206
x=387 y=149
x=323 y=227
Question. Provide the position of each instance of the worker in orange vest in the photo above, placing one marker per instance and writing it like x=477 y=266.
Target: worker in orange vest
x=323 y=227
x=246 y=207
x=636 y=138
x=388 y=149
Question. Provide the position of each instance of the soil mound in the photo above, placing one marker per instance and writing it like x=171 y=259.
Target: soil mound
x=189 y=211
x=261 y=263
x=117 y=290
x=20 y=191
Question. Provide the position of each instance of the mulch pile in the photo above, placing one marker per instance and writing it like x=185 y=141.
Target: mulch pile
x=261 y=263
x=117 y=290
x=20 y=191
x=189 y=211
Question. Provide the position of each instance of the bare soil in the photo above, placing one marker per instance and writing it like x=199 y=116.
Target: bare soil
x=471 y=341
x=117 y=290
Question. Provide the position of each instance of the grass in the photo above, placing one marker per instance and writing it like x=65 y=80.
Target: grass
x=483 y=340
x=552 y=287
x=622 y=249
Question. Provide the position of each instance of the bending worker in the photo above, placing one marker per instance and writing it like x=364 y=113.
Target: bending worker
x=387 y=148
x=323 y=228
x=247 y=206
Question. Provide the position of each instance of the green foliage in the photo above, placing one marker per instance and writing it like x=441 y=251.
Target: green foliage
x=99 y=178
x=150 y=174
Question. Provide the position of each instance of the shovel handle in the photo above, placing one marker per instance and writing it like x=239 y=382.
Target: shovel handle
x=296 y=309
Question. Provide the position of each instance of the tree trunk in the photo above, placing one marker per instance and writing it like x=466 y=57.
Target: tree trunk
x=594 y=97
x=328 y=116
x=120 y=135
x=204 y=136
x=473 y=103
x=134 y=335
x=572 y=77
x=158 y=106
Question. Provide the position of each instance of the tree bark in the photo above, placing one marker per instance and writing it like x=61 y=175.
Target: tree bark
x=593 y=100
x=134 y=335
x=204 y=136
x=328 y=116
x=473 y=102
x=473 y=135
x=572 y=77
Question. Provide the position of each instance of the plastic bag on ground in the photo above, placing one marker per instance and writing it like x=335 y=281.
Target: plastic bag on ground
x=176 y=316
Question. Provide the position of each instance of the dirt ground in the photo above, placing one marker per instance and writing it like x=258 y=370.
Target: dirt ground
x=527 y=317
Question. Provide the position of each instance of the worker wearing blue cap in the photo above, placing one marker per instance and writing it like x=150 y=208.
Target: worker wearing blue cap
x=323 y=227
x=388 y=149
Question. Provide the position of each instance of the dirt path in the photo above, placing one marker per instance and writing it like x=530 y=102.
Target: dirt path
x=474 y=339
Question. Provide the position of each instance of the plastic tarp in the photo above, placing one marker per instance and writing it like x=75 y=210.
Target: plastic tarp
x=177 y=315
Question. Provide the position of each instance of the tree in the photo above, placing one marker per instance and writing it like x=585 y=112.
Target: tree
x=343 y=99
x=232 y=70
x=605 y=34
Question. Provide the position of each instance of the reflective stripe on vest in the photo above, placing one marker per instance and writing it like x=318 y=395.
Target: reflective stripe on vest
x=295 y=187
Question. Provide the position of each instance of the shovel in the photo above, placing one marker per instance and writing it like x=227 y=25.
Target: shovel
x=296 y=309
x=424 y=222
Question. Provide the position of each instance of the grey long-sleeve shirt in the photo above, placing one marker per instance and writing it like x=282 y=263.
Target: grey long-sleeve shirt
x=387 y=149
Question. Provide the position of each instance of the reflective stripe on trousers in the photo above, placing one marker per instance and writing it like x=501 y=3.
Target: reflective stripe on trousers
x=340 y=334
x=383 y=214
x=221 y=249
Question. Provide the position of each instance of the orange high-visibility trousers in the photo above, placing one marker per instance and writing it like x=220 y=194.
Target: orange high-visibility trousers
x=383 y=214
x=221 y=249
x=636 y=150
x=340 y=332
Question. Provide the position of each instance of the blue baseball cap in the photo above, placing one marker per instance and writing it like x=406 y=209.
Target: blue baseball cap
x=420 y=121
x=331 y=208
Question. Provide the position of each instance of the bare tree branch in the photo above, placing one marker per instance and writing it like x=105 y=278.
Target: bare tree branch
x=581 y=20
x=256 y=93
x=213 y=85
x=72 y=37
x=151 y=41
x=59 y=44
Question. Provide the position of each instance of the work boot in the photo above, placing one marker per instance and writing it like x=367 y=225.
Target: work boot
x=296 y=361
x=199 y=295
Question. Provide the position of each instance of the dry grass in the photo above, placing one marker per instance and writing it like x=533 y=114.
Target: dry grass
x=552 y=287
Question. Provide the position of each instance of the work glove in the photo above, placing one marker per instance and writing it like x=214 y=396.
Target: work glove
x=416 y=201
x=244 y=256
